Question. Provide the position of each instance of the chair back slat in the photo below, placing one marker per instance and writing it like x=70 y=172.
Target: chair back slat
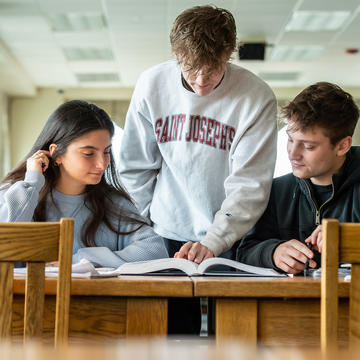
x=354 y=318
x=341 y=244
x=64 y=284
x=329 y=284
x=6 y=298
x=34 y=300
x=36 y=243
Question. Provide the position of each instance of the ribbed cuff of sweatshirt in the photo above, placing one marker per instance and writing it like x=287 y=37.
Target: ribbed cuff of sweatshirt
x=34 y=178
x=215 y=244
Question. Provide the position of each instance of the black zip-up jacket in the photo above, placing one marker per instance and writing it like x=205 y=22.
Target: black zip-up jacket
x=292 y=212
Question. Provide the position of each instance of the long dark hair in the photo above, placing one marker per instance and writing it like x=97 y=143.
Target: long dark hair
x=67 y=123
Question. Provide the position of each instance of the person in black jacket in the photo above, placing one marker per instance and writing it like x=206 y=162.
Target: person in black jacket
x=325 y=182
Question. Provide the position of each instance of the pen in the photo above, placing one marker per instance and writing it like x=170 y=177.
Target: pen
x=306 y=268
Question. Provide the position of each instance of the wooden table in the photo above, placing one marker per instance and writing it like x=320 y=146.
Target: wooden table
x=270 y=311
x=105 y=309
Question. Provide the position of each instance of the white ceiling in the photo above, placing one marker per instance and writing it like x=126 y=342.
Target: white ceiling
x=129 y=36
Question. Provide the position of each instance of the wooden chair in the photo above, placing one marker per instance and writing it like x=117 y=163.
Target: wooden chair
x=341 y=244
x=36 y=243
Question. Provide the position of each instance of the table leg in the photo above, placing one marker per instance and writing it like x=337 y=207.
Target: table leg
x=146 y=316
x=236 y=318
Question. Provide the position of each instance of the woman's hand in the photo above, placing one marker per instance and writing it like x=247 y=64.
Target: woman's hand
x=39 y=161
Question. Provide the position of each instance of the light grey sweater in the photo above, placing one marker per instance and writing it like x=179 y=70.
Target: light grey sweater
x=18 y=203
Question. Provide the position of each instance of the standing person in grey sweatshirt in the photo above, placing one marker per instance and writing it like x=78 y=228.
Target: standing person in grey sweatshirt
x=70 y=172
x=199 y=146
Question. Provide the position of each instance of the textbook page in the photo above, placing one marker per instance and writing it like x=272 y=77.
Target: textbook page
x=144 y=267
x=247 y=269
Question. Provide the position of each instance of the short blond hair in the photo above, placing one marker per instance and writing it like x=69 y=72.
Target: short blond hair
x=203 y=36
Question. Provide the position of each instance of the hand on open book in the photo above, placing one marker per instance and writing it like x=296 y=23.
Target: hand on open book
x=316 y=239
x=194 y=251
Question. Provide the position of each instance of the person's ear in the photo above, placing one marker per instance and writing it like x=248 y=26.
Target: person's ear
x=343 y=146
x=52 y=149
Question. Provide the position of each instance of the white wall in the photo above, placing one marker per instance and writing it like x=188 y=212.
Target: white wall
x=5 y=164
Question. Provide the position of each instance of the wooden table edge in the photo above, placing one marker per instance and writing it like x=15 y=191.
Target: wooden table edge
x=297 y=287
x=138 y=286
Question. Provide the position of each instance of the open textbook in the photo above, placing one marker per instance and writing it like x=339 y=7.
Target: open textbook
x=182 y=266
x=190 y=268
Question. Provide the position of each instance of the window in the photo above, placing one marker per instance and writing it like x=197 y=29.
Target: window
x=282 y=165
x=116 y=143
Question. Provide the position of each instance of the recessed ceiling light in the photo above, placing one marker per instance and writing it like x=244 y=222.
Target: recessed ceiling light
x=295 y=53
x=88 y=54
x=317 y=20
x=62 y=22
x=97 y=77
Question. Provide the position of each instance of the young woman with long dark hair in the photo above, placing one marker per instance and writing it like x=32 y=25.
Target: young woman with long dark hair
x=70 y=172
